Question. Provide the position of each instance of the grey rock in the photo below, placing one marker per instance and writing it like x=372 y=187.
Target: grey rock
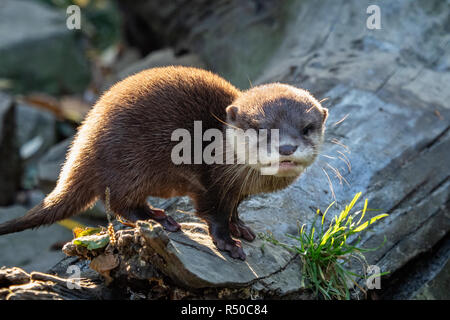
x=191 y=259
x=42 y=286
x=34 y=197
x=161 y=58
x=13 y=276
x=417 y=274
x=31 y=249
x=34 y=124
x=396 y=133
x=36 y=133
x=10 y=165
x=50 y=165
x=234 y=38
x=438 y=287
x=37 y=51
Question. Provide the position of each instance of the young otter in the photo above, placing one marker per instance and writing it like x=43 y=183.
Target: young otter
x=125 y=144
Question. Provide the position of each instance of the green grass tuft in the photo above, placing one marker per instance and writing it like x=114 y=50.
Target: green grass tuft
x=324 y=252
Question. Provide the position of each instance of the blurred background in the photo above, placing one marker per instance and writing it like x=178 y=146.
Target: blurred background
x=391 y=85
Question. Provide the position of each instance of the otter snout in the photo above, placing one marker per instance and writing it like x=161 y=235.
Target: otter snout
x=287 y=149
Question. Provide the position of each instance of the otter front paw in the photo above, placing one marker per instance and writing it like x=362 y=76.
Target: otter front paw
x=166 y=221
x=234 y=247
x=240 y=230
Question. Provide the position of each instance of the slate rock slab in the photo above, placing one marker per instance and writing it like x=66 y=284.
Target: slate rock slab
x=191 y=258
x=188 y=260
x=438 y=287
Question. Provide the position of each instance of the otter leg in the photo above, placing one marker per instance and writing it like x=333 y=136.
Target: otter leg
x=218 y=219
x=221 y=235
x=239 y=229
x=146 y=212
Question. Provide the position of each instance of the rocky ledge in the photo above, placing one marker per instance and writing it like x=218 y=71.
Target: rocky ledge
x=148 y=262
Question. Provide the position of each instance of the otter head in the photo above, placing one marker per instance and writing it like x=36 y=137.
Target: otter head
x=276 y=128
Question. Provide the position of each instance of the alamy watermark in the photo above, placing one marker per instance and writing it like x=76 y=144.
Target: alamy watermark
x=73 y=281
x=73 y=21
x=238 y=146
x=373 y=280
x=374 y=20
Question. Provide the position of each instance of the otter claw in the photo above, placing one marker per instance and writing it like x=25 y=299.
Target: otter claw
x=234 y=247
x=166 y=221
x=240 y=230
x=170 y=224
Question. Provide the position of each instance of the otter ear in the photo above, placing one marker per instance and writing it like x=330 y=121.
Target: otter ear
x=325 y=114
x=232 y=112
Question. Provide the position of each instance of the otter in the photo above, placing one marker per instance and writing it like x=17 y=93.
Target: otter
x=125 y=144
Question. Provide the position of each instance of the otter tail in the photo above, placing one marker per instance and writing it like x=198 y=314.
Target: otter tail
x=58 y=205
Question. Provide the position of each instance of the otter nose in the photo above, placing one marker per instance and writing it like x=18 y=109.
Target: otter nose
x=287 y=149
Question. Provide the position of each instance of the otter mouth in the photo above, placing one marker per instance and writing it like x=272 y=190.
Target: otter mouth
x=287 y=164
x=283 y=167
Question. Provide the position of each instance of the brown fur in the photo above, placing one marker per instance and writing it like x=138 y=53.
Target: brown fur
x=125 y=144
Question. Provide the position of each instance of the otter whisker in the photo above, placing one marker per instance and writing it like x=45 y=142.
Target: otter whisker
x=339 y=143
x=348 y=164
x=330 y=184
x=340 y=121
x=326 y=156
x=338 y=174
x=249 y=81
x=347 y=161
x=307 y=111
x=244 y=184
x=224 y=122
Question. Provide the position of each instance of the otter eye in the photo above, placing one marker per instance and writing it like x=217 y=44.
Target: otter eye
x=307 y=130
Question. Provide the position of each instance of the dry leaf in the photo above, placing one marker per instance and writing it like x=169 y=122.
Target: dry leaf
x=103 y=264
x=46 y=102
x=74 y=108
